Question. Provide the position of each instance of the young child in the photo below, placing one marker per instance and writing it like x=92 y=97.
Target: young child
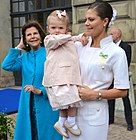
x=62 y=72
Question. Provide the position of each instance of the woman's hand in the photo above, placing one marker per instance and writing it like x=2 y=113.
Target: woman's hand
x=21 y=44
x=85 y=93
x=30 y=88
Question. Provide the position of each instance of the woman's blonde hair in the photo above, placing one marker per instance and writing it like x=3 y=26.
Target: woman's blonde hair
x=63 y=17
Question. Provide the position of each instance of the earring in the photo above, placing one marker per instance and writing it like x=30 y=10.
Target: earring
x=27 y=45
x=104 y=25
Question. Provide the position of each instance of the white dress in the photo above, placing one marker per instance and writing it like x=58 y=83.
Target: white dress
x=63 y=97
x=98 y=68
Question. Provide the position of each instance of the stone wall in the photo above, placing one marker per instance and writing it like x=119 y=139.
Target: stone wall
x=6 y=78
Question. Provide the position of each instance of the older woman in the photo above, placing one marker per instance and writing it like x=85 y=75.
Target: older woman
x=35 y=118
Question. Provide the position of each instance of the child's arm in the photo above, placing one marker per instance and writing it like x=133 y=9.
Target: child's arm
x=83 y=38
x=54 y=41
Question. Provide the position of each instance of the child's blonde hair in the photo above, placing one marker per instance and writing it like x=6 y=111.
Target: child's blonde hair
x=63 y=17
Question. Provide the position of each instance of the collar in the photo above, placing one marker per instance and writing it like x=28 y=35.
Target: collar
x=37 y=51
x=105 y=41
x=118 y=42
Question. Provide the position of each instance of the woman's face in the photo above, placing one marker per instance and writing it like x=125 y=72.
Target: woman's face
x=33 y=38
x=95 y=26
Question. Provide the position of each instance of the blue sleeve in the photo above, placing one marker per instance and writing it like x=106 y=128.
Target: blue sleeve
x=43 y=89
x=12 y=62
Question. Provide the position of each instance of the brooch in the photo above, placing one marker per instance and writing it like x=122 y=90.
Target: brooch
x=103 y=57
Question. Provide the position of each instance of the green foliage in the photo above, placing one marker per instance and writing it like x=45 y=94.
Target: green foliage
x=6 y=125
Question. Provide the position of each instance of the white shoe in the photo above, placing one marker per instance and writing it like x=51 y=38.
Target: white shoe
x=69 y=127
x=61 y=129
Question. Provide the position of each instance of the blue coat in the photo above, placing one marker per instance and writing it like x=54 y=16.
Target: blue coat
x=32 y=66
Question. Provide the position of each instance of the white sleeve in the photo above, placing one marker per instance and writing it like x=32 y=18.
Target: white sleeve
x=120 y=69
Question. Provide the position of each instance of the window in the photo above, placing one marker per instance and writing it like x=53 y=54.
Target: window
x=23 y=10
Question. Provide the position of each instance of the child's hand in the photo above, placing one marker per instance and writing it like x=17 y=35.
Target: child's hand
x=69 y=33
x=84 y=39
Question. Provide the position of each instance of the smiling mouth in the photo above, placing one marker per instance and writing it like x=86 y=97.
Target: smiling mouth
x=90 y=28
x=34 y=40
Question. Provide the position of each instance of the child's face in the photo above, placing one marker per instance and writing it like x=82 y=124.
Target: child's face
x=56 y=26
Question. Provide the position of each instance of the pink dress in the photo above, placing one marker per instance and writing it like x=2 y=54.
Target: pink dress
x=62 y=72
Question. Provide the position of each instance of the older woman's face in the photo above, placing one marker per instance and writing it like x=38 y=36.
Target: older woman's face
x=33 y=38
x=94 y=24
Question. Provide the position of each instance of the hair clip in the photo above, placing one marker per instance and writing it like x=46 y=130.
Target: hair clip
x=60 y=14
x=113 y=16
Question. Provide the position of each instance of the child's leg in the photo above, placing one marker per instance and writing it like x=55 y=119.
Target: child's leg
x=63 y=116
x=59 y=126
x=70 y=124
x=72 y=111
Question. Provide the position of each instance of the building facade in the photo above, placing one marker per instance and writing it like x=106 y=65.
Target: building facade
x=15 y=13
